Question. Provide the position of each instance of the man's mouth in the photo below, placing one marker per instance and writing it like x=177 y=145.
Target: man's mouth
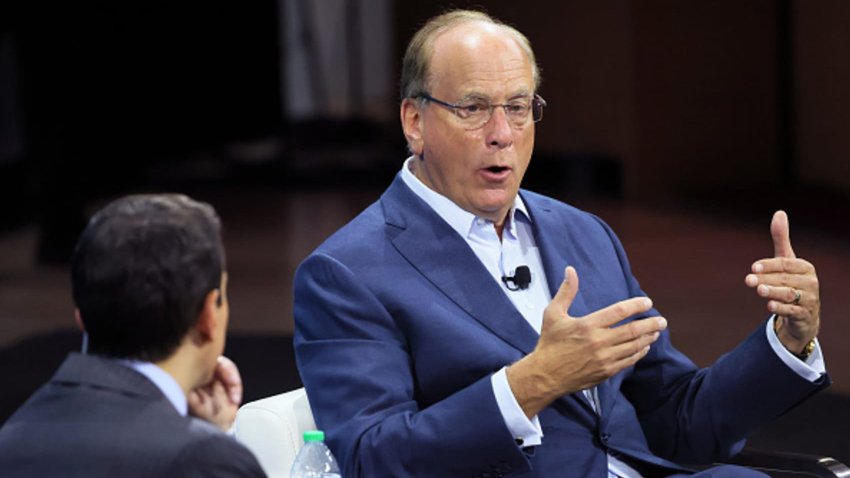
x=497 y=169
x=495 y=173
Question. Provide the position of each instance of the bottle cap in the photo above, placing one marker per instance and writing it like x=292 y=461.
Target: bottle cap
x=314 y=435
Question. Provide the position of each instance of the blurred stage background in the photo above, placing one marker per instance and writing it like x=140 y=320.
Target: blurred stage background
x=682 y=124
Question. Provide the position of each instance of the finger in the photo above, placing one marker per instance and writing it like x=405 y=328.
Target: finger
x=620 y=311
x=788 y=310
x=638 y=330
x=201 y=394
x=631 y=347
x=629 y=360
x=228 y=373
x=219 y=391
x=227 y=370
x=779 y=231
x=218 y=397
x=197 y=403
x=567 y=292
x=194 y=398
x=783 y=264
x=789 y=295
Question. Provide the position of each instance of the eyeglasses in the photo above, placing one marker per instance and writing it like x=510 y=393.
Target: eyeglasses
x=475 y=113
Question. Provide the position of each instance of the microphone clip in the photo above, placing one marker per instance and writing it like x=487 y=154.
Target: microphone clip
x=521 y=279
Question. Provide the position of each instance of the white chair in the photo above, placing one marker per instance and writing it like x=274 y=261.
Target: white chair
x=273 y=428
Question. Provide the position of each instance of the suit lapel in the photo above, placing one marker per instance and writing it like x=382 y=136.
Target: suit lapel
x=451 y=266
x=559 y=248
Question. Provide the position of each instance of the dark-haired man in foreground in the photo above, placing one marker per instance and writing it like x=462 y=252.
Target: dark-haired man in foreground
x=149 y=284
x=425 y=353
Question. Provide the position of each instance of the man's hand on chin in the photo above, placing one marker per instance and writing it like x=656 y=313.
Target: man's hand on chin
x=218 y=401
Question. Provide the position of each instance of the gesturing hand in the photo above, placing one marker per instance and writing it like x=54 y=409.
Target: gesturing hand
x=218 y=401
x=577 y=353
x=790 y=285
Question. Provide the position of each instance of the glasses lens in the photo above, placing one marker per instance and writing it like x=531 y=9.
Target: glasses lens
x=474 y=114
x=518 y=111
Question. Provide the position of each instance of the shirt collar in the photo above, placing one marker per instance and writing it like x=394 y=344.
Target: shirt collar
x=458 y=218
x=163 y=381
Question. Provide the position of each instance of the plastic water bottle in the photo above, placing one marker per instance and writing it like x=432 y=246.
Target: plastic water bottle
x=314 y=460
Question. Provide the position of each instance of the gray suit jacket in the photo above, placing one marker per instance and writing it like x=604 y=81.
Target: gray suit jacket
x=96 y=418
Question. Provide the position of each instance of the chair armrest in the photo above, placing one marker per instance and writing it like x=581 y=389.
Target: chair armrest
x=782 y=464
x=273 y=427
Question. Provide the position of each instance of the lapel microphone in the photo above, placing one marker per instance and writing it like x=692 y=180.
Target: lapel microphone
x=521 y=278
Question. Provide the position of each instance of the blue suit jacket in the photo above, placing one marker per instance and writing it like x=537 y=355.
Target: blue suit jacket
x=398 y=328
x=98 y=419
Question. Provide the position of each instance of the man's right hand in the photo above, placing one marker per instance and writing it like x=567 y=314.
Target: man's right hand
x=218 y=401
x=574 y=354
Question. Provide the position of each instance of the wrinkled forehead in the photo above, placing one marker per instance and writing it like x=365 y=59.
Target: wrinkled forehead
x=479 y=56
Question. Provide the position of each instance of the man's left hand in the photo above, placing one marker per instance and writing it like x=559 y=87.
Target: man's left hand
x=790 y=285
x=218 y=401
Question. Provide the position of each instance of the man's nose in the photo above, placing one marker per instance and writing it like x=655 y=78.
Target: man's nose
x=500 y=133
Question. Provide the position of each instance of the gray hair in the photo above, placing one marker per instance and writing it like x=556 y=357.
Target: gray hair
x=415 y=65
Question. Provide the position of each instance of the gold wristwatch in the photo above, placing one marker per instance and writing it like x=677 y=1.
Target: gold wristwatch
x=807 y=350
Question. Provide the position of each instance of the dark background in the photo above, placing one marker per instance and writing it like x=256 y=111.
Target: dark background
x=684 y=124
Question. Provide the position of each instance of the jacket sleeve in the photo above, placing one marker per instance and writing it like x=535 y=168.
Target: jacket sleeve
x=359 y=374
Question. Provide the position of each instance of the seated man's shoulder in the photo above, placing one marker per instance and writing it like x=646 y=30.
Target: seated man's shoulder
x=150 y=443
x=211 y=453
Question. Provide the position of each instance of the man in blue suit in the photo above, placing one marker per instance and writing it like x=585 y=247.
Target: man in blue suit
x=444 y=332
x=149 y=284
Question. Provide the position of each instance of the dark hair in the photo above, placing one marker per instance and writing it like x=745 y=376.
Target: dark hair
x=141 y=271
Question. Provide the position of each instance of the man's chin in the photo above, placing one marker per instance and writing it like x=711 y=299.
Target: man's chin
x=496 y=200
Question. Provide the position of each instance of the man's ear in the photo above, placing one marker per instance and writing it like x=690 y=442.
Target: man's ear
x=411 y=123
x=207 y=319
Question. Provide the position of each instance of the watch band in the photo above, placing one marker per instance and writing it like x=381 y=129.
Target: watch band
x=807 y=350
